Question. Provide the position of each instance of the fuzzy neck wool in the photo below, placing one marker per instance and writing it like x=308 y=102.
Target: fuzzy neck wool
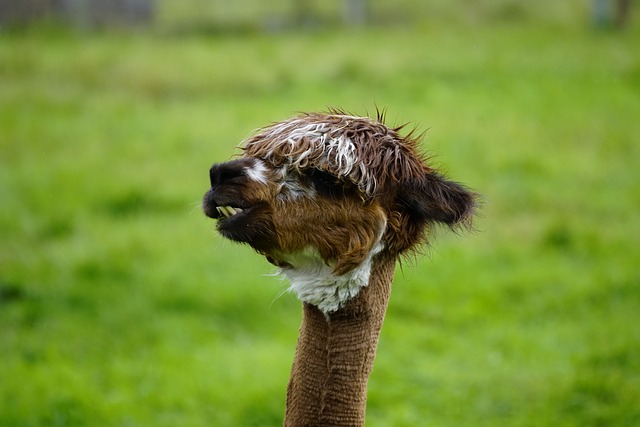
x=335 y=355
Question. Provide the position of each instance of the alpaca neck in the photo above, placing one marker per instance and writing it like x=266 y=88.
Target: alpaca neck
x=335 y=355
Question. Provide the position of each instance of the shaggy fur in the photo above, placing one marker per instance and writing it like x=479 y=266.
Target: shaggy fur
x=333 y=200
x=348 y=175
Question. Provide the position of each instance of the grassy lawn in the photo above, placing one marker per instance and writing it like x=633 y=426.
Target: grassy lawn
x=120 y=306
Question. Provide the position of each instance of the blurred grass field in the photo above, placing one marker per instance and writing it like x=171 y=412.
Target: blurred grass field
x=120 y=306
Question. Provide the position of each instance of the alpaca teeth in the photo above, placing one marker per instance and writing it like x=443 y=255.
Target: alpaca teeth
x=228 y=211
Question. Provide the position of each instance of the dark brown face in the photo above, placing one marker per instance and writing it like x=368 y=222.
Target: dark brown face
x=279 y=212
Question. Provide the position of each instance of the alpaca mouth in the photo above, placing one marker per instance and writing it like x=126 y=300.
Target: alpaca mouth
x=226 y=212
x=222 y=210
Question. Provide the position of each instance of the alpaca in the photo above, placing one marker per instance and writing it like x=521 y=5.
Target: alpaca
x=333 y=200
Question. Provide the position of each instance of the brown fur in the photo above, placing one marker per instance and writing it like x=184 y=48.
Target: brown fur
x=349 y=230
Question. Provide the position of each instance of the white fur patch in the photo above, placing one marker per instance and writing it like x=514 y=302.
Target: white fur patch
x=313 y=281
x=257 y=172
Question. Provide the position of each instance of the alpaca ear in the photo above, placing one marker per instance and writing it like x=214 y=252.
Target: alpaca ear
x=433 y=198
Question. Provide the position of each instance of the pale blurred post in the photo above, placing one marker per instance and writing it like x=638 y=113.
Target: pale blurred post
x=354 y=12
x=600 y=11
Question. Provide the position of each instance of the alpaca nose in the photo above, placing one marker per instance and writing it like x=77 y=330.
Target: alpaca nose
x=219 y=173
x=214 y=176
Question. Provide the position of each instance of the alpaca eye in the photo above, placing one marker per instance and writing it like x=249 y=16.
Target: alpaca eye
x=326 y=184
x=322 y=177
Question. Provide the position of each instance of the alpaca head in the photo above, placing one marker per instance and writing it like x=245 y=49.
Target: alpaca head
x=321 y=195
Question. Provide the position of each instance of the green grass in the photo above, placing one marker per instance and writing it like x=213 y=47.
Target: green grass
x=119 y=306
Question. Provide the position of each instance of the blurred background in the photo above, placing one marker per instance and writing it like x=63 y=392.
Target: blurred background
x=120 y=306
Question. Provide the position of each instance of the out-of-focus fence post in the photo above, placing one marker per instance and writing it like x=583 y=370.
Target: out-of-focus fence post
x=80 y=13
x=354 y=12
x=21 y=11
x=606 y=13
x=600 y=12
x=622 y=12
x=100 y=13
